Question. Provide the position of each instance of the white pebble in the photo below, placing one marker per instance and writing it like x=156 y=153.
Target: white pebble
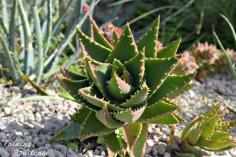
x=150 y=143
x=61 y=148
x=51 y=153
x=7 y=110
x=4 y=152
x=167 y=154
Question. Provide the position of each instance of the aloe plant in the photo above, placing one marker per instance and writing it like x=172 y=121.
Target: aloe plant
x=209 y=131
x=122 y=85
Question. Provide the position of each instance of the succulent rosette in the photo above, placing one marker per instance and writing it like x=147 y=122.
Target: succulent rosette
x=209 y=131
x=122 y=83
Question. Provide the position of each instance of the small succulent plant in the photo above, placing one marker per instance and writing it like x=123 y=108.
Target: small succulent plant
x=122 y=84
x=187 y=64
x=209 y=131
x=203 y=58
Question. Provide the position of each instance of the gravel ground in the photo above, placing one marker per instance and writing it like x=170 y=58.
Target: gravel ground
x=31 y=124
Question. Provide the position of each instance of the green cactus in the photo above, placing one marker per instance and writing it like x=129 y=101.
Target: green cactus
x=126 y=85
x=209 y=131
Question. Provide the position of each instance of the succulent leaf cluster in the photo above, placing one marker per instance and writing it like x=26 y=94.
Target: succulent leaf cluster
x=122 y=83
x=210 y=131
x=204 y=57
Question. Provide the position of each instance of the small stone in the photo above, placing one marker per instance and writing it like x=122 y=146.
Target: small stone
x=167 y=154
x=4 y=152
x=156 y=138
x=18 y=133
x=157 y=130
x=154 y=152
x=97 y=152
x=47 y=146
x=36 y=139
x=163 y=137
x=166 y=130
x=79 y=155
x=51 y=153
x=58 y=154
x=61 y=148
x=3 y=136
x=7 y=110
x=90 y=153
x=150 y=143
x=150 y=129
x=15 y=155
x=161 y=147
x=38 y=116
x=74 y=155
x=103 y=154
x=148 y=150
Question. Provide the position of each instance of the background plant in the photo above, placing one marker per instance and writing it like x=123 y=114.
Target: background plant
x=122 y=84
x=204 y=58
x=34 y=37
x=231 y=64
x=208 y=131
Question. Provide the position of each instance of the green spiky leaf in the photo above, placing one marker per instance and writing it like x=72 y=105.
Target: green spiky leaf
x=118 y=88
x=208 y=127
x=172 y=118
x=192 y=125
x=115 y=144
x=136 y=135
x=71 y=75
x=136 y=67
x=170 y=86
x=72 y=86
x=132 y=131
x=92 y=96
x=115 y=38
x=125 y=48
x=140 y=143
x=215 y=145
x=72 y=131
x=156 y=71
x=137 y=98
x=77 y=70
x=99 y=73
x=129 y=115
x=170 y=50
x=106 y=118
x=149 y=40
x=221 y=136
x=158 y=110
x=93 y=127
x=195 y=134
x=121 y=70
x=98 y=37
x=94 y=49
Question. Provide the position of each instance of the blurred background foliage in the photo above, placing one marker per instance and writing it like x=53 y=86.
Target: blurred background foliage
x=193 y=20
x=37 y=37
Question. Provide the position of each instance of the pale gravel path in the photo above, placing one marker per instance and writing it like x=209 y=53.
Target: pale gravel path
x=35 y=122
